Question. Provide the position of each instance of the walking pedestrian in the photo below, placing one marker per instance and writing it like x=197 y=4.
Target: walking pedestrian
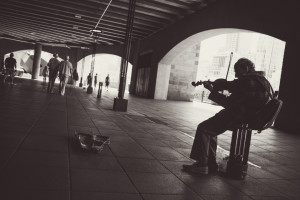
x=53 y=65
x=107 y=81
x=10 y=65
x=65 y=70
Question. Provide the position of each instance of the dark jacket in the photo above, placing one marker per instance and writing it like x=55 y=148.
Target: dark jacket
x=247 y=96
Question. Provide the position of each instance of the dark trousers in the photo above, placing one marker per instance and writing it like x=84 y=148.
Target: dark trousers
x=205 y=142
x=204 y=148
x=63 y=82
x=51 y=84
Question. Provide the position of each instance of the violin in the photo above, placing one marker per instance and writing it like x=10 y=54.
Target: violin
x=221 y=80
x=195 y=84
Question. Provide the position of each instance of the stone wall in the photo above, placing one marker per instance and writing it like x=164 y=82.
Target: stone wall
x=183 y=70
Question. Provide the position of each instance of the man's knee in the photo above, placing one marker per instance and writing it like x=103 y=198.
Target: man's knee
x=204 y=130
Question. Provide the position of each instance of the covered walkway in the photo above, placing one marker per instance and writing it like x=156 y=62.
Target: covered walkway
x=149 y=144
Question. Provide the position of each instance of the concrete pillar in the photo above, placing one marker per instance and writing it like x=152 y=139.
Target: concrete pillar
x=36 y=61
x=162 y=81
x=1 y=61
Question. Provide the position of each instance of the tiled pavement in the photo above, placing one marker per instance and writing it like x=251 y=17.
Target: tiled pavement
x=40 y=160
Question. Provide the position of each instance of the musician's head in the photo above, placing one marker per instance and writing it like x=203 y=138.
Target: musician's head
x=243 y=66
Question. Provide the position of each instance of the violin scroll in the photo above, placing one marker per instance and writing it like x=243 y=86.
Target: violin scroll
x=197 y=83
x=211 y=82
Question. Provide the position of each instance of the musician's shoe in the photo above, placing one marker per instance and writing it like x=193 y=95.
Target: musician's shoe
x=213 y=168
x=195 y=168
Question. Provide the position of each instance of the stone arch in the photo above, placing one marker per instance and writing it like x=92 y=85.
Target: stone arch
x=24 y=59
x=105 y=63
x=174 y=84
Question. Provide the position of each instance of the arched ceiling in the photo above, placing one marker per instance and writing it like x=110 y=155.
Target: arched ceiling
x=68 y=22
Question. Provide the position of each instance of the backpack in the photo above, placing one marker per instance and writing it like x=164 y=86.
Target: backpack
x=265 y=117
x=75 y=76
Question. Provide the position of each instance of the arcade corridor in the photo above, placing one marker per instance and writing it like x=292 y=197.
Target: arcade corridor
x=149 y=144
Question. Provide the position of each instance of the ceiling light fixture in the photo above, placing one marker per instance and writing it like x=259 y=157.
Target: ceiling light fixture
x=95 y=31
x=101 y=18
x=78 y=16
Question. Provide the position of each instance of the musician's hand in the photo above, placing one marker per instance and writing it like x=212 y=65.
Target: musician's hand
x=208 y=85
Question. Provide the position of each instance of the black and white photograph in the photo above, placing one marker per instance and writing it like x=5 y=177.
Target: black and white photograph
x=149 y=100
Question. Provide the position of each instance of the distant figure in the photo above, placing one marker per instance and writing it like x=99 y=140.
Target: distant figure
x=65 y=70
x=89 y=80
x=45 y=73
x=107 y=82
x=10 y=65
x=53 y=65
x=75 y=78
x=95 y=80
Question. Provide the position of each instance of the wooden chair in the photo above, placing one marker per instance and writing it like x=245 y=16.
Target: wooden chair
x=237 y=165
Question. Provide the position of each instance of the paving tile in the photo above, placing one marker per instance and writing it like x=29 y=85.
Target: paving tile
x=122 y=139
x=129 y=149
x=225 y=197
x=284 y=172
x=287 y=188
x=5 y=154
x=140 y=135
x=30 y=194
x=94 y=161
x=159 y=184
x=110 y=132
x=150 y=142
x=183 y=151
x=178 y=144
x=176 y=166
x=104 y=196
x=10 y=141
x=101 y=181
x=210 y=185
x=261 y=161
x=273 y=148
x=48 y=131
x=259 y=173
x=83 y=129
x=29 y=177
x=32 y=158
x=165 y=153
x=142 y=165
x=46 y=143
x=188 y=196
x=270 y=198
x=295 y=182
x=253 y=187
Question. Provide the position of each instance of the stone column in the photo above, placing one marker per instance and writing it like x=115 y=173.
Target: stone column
x=120 y=104
x=36 y=61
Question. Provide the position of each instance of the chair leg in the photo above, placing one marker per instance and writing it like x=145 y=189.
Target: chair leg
x=239 y=152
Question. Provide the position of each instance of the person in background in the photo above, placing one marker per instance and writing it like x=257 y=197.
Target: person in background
x=107 y=81
x=53 y=65
x=89 y=80
x=95 y=80
x=75 y=77
x=45 y=73
x=10 y=65
x=65 y=71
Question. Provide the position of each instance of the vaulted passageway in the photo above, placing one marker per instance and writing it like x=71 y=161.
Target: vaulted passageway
x=207 y=55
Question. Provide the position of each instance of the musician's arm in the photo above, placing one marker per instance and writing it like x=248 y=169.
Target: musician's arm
x=219 y=86
x=219 y=98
